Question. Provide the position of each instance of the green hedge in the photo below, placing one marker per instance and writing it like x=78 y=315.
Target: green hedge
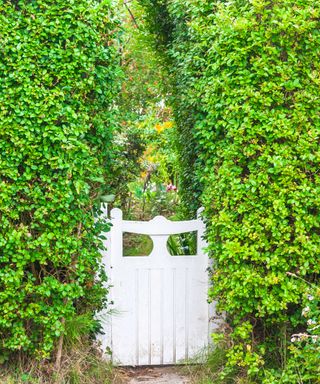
x=58 y=78
x=251 y=70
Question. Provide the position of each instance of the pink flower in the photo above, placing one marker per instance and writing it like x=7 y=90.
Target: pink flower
x=171 y=187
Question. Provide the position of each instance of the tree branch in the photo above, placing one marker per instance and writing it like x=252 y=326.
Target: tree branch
x=131 y=14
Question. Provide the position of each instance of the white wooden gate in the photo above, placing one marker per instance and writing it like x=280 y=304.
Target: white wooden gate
x=160 y=313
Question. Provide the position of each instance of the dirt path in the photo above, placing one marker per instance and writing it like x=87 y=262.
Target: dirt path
x=163 y=375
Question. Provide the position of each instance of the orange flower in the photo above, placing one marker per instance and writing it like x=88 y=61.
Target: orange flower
x=161 y=127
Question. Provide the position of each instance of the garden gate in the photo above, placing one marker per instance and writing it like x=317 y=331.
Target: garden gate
x=160 y=313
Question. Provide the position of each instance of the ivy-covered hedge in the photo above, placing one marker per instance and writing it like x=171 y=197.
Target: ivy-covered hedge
x=58 y=78
x=251 y=70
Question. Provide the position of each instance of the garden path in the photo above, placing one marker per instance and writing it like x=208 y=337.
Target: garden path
x=159 y=375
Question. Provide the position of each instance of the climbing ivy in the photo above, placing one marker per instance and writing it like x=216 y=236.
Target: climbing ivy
x=248 y=74
x=58 y=78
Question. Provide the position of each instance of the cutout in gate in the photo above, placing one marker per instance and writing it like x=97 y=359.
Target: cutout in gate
x=136 y=244
x=184 y=244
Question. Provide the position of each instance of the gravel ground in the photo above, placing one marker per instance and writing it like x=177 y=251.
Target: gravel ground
x=161 y=375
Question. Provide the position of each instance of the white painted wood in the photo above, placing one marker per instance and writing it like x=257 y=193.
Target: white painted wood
x=160 y=313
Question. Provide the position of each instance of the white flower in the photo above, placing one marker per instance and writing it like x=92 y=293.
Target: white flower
x=310 y=297
x=305 y=311
x=299 y=336
x=293 y=339
x=311 y=322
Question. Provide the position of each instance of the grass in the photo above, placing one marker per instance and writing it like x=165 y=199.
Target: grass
x=136 y=245
x=208 y=366
x=82 y=364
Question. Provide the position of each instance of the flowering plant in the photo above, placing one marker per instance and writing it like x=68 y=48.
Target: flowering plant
x=302 y=364
x=311 y=314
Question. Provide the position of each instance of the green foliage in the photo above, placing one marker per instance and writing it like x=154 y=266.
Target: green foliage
x=176 y=46
x=150 y=193
x=128 y=147
x=183 y=244
x=58 y=70
x=302 y=365
x=261 y=157
x=248 y=72
x=144 y=78
x=137 y=104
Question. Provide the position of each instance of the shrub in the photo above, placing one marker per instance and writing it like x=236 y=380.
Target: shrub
x=58 y=72
x=250 y=69
x=302 y=365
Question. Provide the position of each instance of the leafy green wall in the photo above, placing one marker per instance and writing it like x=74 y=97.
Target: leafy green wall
x=58 y=79
x=248 y=73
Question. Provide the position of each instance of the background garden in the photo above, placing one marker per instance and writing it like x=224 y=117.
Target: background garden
x=160 y=106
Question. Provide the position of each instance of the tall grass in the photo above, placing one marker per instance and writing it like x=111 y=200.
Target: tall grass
x=80 y=365
x=209 y=367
